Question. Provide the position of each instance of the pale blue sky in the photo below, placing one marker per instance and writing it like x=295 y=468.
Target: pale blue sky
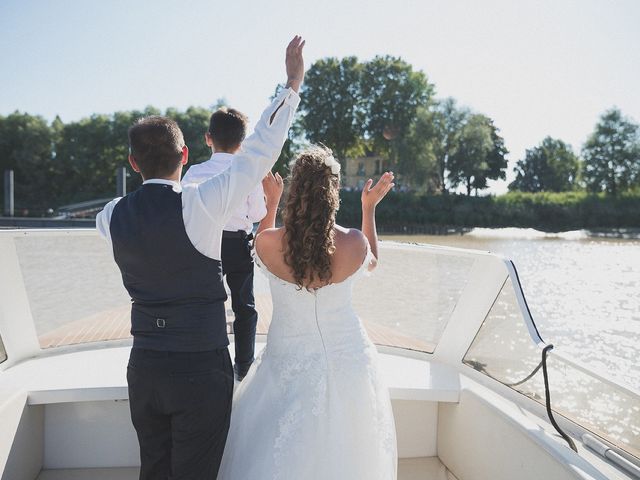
x=544 y=67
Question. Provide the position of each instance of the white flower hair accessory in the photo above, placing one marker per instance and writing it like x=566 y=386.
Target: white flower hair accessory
x=333 y=164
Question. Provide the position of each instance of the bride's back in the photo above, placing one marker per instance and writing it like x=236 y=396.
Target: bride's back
x=310 y=250
x=350 y=251
x=315 y=322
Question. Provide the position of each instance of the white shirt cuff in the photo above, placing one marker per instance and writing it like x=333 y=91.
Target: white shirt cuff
x=291 y=98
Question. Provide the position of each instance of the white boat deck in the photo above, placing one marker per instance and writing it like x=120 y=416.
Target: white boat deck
x=408 y=469
x=73 y=377
x=90 y=474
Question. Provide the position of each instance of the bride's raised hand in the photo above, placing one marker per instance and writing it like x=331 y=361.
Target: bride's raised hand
x=371 y=196
x=273 y=186
x=294 y=63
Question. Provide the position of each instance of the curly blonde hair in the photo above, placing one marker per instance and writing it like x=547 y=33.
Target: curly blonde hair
x=309 y=216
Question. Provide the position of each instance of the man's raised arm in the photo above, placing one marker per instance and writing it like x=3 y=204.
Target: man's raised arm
x=222 y=194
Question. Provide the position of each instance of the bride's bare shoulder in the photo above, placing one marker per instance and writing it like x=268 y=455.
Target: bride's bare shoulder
x=267 y=239
x=350 y=239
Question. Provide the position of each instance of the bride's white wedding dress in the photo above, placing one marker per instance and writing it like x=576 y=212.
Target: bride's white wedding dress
x=312 y=406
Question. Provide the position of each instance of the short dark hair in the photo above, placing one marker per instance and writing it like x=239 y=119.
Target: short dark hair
x=227 y=128
x=156 y=145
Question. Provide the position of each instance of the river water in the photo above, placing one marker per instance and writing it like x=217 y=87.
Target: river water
x=583 y=292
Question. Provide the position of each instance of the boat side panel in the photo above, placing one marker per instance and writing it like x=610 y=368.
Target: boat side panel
x=22 y=440
x=16 y=323
x=416 y=431
x=487 y=437
x=89 y=435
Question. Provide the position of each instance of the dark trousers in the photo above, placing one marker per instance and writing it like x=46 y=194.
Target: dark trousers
x=180 y=407
x=237 y=266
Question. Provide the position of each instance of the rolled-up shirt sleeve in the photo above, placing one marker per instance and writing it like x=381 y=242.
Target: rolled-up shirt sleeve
x=256 y=206
x=103 y=219
x=224 y=193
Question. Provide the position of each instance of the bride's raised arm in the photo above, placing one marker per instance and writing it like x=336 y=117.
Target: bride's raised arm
x=273 y=186
x=371 y=196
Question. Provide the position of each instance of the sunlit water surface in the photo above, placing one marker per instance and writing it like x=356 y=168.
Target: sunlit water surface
x=583 y=292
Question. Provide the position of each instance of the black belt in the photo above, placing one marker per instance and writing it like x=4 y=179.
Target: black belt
x=238 y=234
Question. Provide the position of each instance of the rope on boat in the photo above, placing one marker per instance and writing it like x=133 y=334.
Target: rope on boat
x=528 y=377
x=547 y=395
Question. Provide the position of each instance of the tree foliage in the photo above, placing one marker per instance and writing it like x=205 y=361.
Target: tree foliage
x=416 y=156
x=447 y=120
x=612 y=154
x=549 y=167
x=380 y=107
x=60 y=163
x=478 y=156
x=26 y=147
x=332 y=111
x=371 y=107
x=386 y=108
x=392 y=92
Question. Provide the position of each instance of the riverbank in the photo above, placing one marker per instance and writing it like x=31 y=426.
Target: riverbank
x=548 y=212
x=418 y=214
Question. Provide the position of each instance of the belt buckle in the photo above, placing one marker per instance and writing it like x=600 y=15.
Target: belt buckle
x=161 y=322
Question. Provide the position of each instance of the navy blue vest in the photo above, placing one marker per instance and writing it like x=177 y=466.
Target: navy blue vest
x=177 y=292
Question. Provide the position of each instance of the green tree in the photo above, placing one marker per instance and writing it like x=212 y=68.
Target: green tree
x=496 y=160
x=479 y=155
x=612 y=154
x=118 y=141
x=447 y=119
x=392 y=93
x=88 y=159
x=292 y=146
x=26 y=148
x=194 y=123
x=88 y=153
x=549 y=167
x=331 y=105
x=417 y=160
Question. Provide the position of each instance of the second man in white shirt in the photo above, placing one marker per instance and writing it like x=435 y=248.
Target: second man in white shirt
x=227 y=130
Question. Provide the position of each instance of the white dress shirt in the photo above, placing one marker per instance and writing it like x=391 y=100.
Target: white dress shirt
x=208 y=206
x=251 y=211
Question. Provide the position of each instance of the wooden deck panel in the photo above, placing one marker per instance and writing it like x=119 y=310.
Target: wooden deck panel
x=115 y=324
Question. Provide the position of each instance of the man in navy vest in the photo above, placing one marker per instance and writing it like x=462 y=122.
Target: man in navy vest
x=166 y=241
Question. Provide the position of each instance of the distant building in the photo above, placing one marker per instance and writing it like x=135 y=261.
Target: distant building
x=358 y=170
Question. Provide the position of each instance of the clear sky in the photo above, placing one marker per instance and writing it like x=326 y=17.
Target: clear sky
x=543 y=67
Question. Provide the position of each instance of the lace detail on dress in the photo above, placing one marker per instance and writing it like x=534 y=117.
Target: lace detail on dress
x=302 y=379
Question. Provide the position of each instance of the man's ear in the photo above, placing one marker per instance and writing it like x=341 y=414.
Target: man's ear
x=134 y=165
x=185 y=155
x=208 y=139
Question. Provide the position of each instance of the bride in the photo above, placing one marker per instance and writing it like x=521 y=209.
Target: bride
x=313 y=405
